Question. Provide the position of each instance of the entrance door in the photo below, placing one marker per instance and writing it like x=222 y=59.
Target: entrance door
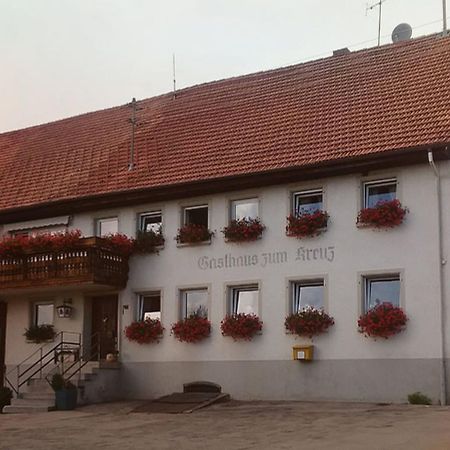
x=104 y=324
x=2 y=341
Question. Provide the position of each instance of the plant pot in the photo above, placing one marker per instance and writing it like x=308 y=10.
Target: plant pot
x=66 y=399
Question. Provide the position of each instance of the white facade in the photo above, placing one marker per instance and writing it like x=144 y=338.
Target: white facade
x=346 y=365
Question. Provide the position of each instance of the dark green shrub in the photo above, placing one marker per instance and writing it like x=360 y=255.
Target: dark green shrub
x=40 y=333
x=5 y=397
x=417 y=398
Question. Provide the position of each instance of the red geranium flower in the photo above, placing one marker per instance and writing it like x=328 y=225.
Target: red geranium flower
x=385 y=214
x=308 y=322
x=242 y=230
x=307 y=224
x=193 y=329
x=192 y=233
x=144 y=331
x=241 y=326
x=384 y=320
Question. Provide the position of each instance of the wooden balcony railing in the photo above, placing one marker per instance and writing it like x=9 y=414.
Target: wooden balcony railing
x=91 y=262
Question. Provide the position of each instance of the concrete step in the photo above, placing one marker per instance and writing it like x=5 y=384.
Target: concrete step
x=33 y=402
x=11 y=409
x=38 y=395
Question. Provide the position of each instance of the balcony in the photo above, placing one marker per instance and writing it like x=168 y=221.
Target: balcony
x=91 y=262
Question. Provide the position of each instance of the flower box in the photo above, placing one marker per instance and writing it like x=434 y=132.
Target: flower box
x=309 y=322
x=243 y=230
x=193 y=234
x=38 y=334
x=307 y=224
x=145 y=331
x=384 y=320
x=148 y=241
x=241 y=326
x=385 y=214
x=192 y=329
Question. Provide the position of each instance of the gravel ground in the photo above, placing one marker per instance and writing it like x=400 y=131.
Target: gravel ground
x=233 y=425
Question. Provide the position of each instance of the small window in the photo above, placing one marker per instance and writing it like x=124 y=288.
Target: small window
x=150 y=221
x=194 y=302
x=43 y=313
x=247 y=208
x=307 y=202
x=305 y=294
x=243 y=299
x=381 y=289
x=107 y=226
x=196 y=215
x=149 y=306
x=379 y=191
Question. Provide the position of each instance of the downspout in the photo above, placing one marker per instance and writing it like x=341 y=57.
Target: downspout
x=442 y=262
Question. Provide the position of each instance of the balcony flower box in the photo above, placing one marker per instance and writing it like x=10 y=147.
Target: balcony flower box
x=243 y=230
x=192 y=329
x=193 y=234
x=241 y=326
x=384 y=320
x=385 y=214
x=307 y=224
x=145 y=331
x=38 y=334
x=309 y=322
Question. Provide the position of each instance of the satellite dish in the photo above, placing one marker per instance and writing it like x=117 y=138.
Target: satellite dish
x=402 y=32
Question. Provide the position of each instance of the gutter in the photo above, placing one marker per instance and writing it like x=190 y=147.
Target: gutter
x=442 y=262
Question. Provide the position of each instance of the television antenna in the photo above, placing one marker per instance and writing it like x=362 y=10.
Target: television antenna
x=379 y=5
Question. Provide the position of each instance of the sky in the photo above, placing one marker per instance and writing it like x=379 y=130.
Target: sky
x=61 y=58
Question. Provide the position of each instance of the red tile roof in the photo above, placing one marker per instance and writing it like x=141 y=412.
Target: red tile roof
x=366 y=102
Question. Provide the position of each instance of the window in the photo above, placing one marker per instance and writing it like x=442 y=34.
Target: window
x=307 y=202
x=379 y=191
x=306 y=293
x=247 y=208
x=149 y=306
x=194 y=302
x=243 y=299
x=381 y=289
x=196 y=215
x=43 y=313
x=107 y=226
x=151 y=221
x=33 y=232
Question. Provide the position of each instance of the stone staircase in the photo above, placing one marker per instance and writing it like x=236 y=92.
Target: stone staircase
x=97 y=382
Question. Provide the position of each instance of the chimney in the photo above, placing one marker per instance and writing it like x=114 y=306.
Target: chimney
x=341 y=52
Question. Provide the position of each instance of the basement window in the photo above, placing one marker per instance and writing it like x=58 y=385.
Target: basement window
x=243 y=299
x=381 y=289
x=379 y=191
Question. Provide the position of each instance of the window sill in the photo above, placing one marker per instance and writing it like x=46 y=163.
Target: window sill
x=319 y=232
x=193 y=244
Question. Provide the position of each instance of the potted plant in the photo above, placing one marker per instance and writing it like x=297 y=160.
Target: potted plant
x=192 y=329
x=243 y=230
x=40 y=333
x=148 y=241
x=5 y=397
x=307 y=224
x=65 y=393
x=309 y=322
x=192 y=234
x=144 y=331
x=385 y=214
x=384 y=320
x=120 y=243
x=241 y=326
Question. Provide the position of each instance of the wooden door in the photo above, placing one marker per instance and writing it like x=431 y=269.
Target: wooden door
x=2 y=341
x=104 y=324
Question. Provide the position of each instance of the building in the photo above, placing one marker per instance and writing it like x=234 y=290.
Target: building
x=340 y=133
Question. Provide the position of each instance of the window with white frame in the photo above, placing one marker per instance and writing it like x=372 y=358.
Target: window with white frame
x=307 y=293
x=245 y=209
x=43 y=313
x=381 y=289
x=379 y=191
x=107 y=226
x=194 y=302
x=307 y=202
x=243 y=299
x=196 y=215
x=33 y=232
x=150 y=221
x=149 y=306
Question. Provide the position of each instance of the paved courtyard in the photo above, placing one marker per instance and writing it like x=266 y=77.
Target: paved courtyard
x=233 y=425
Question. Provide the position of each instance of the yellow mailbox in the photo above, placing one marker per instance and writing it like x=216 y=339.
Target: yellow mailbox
x=302 y=352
